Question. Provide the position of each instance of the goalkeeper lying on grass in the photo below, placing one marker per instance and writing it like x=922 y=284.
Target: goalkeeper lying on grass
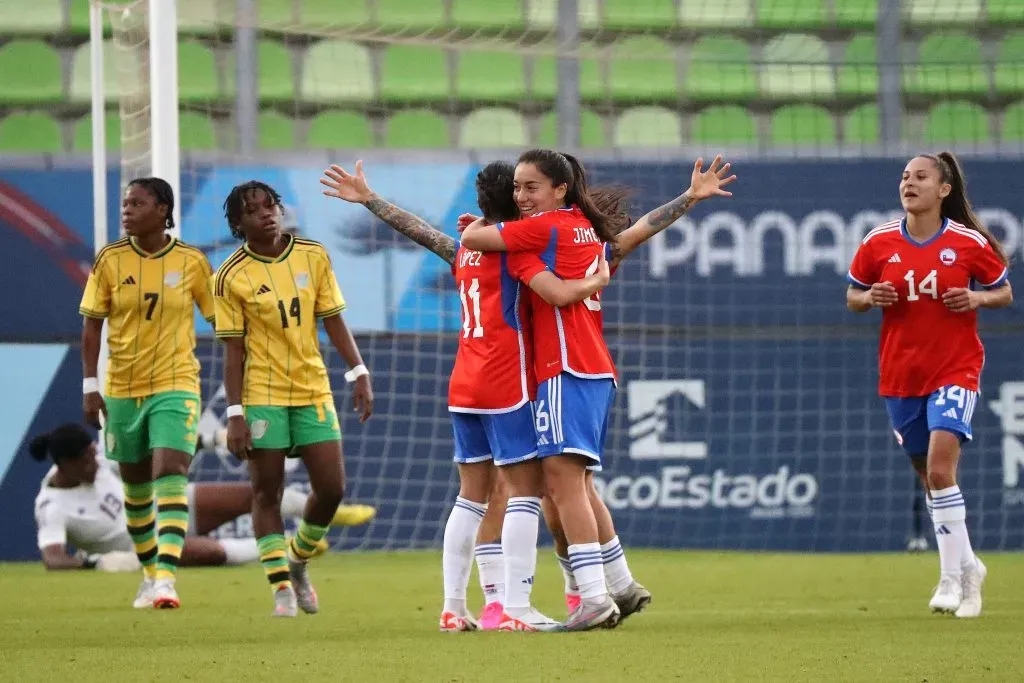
x=81 y=504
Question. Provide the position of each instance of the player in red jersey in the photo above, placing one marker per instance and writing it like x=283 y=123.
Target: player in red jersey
x=491 y=386
x=921 y=271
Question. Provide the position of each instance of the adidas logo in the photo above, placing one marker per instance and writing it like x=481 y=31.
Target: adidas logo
x=942 y=530
x=128 y=281
x=263 y=290
x=895 y=258
x=542 y=441
x=951 y=413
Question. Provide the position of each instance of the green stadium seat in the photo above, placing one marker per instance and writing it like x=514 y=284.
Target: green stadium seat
x=724 y=125
x=496 y=15
x=792 y=14
x=197 y=73
x=410 y=15
x=417 y=129
x=862 y=126
x=116 y=78
x=856 y=13
x=491 y=76
x=720 y=69
x=1005 y=12
x=591 y=130
x=947 y=64
x=647 y=127
x=29 y=132
x=82 y=141
x=858 y=73
x=36 y=17
x=205 y=17
x=1009 y=69
x=715 y=13
x=543 y=14
x=802 y=125
x=643 y=69
x=796 y=65
x=1013 y=123
x=545 y=77
x=30 y=72
x=196 y=132
x=414 y=74
x=493 y=128
x=325 y=14
x=337 y=71
x=339 y=130
x=276 y=131
x=275 y=80
x=941 y=12
x=956 y=122
x=639 y=14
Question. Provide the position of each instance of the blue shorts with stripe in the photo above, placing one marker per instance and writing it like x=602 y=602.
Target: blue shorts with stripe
x=505 y=438
x=572 y=416
x=914 y=419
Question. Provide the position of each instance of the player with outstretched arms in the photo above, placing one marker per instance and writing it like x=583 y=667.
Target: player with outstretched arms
x=147 y=286
x=491 y=385
x=921 y=271
x=270 y=296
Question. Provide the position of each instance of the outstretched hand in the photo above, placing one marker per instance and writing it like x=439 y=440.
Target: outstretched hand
x=344 y=185
x=709 y=183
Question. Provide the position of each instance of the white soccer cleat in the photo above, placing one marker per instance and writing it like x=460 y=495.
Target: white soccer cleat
x=531 y=621
x=455 y=623
x=973 y=578
x=306 y=595
x=285 y=603
x=948 y=596
x=164 y=595
x=144 y=598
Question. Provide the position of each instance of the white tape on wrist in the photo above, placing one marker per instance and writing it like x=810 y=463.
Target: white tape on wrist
x=235 y=411
x=90 y=385
x=355 y=373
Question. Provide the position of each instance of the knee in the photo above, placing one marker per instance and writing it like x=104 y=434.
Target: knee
x=267 y=497
x=941 y=477
x=330 y=493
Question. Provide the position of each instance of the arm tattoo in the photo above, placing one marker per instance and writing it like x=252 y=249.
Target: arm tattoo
x=666 y=214
x=413 y=227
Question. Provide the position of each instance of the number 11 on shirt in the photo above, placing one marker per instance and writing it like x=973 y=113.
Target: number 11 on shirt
x=471 y=319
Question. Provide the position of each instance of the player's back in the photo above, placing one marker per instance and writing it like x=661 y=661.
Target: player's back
x=90 y=517
x=492 y=372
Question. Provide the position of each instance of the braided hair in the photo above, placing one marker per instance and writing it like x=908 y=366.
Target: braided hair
x=235 y=203
x=162 y=193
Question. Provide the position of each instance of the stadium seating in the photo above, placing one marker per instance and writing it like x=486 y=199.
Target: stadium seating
x=947 y=64
x=797 y=67
x=861 y=125
x=496 y=15
x=1009 y=69
x=414 y=74
x=30 y=73
x=29 y=132
x=493 y=76
x=36 y=17
x=276 y=131
x=1004 y=12
x=411 y=15
x=417 y=129
x=592 y=82
x=792 y=15
x=639 y=14
x=196 y=132
x=710 y=14
x=858 y=14
x=198 y=80
x=956 y=122
x=339 y=130
x=493 y=127
x=1013 y=123
x=802 y=125
x=275 y=77
x=337 y=71
x=591 y=130
x=543 y=14
x=642 y=69
x=647 y=127
x=942 y=12
x=720 y=69
x=116 y=78
x=724 y=125
x=82 y=132
x=858 y=73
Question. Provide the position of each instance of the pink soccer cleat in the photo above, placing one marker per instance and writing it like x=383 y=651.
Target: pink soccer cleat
x=455 y=623
x=572 y=601
x=490 y=618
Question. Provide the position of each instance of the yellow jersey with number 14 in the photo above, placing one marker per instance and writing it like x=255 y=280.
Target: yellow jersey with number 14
x=148 y=301
x=275 y=305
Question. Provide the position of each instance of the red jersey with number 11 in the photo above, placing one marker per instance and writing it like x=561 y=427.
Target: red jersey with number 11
x=923 y=345
x=492 y=371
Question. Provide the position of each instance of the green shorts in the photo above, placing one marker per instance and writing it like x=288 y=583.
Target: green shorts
x=288 y=427
x=135 y=426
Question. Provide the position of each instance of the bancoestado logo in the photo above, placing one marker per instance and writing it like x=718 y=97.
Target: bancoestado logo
x=782 y=493
x=1010 y=409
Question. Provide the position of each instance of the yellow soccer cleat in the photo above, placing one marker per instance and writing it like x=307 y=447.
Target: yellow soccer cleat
x=353 y=515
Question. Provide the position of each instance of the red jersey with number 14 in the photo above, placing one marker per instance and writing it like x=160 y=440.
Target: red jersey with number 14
x=923 y=345
x=567 y=339
x=492 y=367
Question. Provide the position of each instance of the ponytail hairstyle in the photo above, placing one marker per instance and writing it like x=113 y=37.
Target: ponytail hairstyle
x=565 y=169
x=67 y=442
x=956 y=205
x=162 y=193
x=494 y=192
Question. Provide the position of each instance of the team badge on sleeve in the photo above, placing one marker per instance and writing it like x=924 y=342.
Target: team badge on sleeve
x=947 y=256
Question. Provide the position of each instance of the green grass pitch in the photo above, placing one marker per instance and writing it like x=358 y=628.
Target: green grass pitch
x=715 y=617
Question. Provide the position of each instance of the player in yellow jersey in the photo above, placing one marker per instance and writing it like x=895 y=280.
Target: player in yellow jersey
x=269 y=296
x=147 y=286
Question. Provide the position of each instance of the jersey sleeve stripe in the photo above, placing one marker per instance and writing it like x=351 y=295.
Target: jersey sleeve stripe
x=855 y=282
x=330 y=312
x=92 y=314
x=107 y=250
x=967 y=232
x=888 y=227
x=222 y=273
x=221 y=334
x=998 y=281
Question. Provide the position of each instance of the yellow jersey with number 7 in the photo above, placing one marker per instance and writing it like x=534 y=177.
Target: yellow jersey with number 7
x=275 y=305
x=148 y=301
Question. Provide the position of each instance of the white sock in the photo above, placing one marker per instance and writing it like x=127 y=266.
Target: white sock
x=616 y=571
x=571 y=588
x=293 y=503
x=588 y=568
x=490 y=566
x=457 y=557
x=949 y=515
x=239 y=550
x=519 y=545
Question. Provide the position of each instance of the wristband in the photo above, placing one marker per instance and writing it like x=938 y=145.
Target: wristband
x=90 y=561
x=355 y=373
x=235 y=411
x=90 y=385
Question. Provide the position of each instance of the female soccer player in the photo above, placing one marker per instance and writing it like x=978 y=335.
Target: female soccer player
x=491 y=385
x=920 y=270
x=81 y=503
x=565 y=232
x=269 y=296
x=147 y=286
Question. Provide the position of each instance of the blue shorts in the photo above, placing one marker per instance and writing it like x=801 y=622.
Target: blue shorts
x=572 y=416
x=506 y=438
x=914 y=419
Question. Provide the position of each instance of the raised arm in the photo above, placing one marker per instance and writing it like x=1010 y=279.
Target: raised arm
x=703 y=184
x=559 y=292
x=353 y=188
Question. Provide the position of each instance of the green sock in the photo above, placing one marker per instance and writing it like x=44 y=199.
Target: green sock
x=141 y=516
x=171 y=523
x=304 y=543
x=274 y=561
